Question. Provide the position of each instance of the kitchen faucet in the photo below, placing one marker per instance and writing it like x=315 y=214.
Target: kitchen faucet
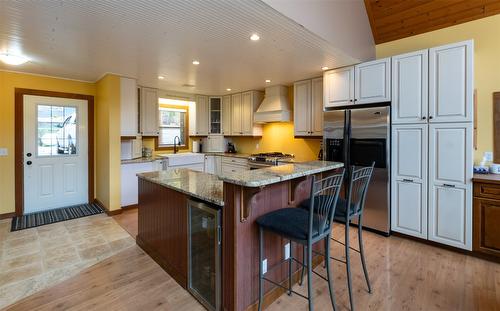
x=175 y=146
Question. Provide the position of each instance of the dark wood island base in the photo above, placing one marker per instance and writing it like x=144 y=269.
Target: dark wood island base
x=163 y=234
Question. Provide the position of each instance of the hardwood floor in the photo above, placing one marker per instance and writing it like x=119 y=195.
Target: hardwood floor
x=128 y=220
x=405 y=275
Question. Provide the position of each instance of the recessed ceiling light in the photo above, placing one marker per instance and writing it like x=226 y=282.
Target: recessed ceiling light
x=268 y=81
x=228 y=90
x=324 y=68
x=161 y=77
x=11 y=59
x=254 y=37
x=195 y=62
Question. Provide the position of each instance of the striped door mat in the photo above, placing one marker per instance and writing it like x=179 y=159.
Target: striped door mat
x=55 y=215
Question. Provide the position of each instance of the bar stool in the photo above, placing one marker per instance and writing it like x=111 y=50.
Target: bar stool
x=305 y=227
x=359 y=179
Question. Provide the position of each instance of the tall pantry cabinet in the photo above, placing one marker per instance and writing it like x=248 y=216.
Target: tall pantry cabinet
x=432 y=144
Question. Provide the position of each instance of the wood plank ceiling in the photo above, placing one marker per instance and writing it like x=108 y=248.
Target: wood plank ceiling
x=395 y=19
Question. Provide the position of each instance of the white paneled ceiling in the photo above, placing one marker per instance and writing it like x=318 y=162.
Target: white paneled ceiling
x=144 y=39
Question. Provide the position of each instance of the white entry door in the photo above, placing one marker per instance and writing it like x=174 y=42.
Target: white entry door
x=55 y=153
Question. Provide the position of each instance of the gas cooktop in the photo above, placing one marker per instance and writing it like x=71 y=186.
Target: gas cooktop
x=271 y=158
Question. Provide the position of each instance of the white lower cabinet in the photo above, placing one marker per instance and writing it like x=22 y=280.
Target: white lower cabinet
x=450 y=215
x=409 y=180
x=129 y=184
x=450 y=185
x=431 y=182
x=210 y=164
x=233 y=165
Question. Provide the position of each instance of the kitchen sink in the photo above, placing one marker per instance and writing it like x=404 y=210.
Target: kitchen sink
x=184 y=158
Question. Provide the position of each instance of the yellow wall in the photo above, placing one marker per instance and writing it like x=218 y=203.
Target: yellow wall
x=279 y=137
x=8 y=82
x=486 y=35
x=107 y=126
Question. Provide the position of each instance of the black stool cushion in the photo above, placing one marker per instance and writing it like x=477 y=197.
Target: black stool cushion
x=290 y=222
x=340 y=212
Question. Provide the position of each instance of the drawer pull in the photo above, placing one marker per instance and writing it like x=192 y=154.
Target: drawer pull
x=408 y=180
x=448 y=186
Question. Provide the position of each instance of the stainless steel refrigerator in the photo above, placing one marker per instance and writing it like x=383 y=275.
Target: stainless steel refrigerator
x=361 y=136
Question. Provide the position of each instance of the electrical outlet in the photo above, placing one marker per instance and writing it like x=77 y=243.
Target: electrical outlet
x=287 y=251
x=488 y=156
x=264 y=266
x=3 y=152
x=257 y=146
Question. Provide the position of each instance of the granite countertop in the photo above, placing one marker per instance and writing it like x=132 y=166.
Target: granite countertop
x=141 y=160
x=274 y=174
x=227 y=154
x=206 y=187
x=487 y=178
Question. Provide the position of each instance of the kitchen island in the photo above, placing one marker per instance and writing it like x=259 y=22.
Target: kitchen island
x=241 y=198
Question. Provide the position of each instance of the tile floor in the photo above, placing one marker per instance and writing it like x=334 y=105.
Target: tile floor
x=36 y=258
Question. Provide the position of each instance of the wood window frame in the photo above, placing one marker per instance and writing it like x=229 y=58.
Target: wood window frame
x=19 y=140
x=186 y=129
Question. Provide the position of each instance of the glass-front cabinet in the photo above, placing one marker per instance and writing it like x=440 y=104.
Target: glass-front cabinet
x=215 y=106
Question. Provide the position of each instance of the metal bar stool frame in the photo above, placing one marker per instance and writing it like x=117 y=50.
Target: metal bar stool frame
x=323 y=201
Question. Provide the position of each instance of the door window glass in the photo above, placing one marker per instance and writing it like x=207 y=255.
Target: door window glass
x=56 y=130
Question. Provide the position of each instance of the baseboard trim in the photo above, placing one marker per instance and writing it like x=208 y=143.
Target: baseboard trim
x=108 y=212
x=7 y=215
x=130 y=206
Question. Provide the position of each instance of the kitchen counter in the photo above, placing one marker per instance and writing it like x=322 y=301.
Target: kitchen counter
x=206 y=187
x=275 y=174
x=141 y=160
x=164 y=221
x=487 y=178
x=227 y=154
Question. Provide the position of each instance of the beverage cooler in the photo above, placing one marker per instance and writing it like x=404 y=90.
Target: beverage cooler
x=205 y=237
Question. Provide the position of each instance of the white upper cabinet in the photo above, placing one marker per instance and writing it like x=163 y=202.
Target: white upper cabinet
x=302 y=108
x=129 y=114
x=308 y=107
x=226 y=115
x=450 y=187
x=149 y=111
x=339 y=87
x=409 y=180
x=410 y=84
x=202 y=111
x=247 y=108
x=236 y=128
x=317 y=107
x=451 y=82
x=243 y=107
x=373 y=81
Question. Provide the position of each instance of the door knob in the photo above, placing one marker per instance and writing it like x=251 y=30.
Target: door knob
x=29 y=162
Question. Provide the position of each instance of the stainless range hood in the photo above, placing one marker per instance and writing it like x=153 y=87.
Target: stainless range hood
x=275 y=107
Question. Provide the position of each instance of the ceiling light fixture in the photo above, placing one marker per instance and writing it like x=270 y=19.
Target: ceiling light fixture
x=228 y=90
x=254 y=37
x=161 y=77
x=11 y=59
x=268 y=81
x=324 y=68
x=195 y=62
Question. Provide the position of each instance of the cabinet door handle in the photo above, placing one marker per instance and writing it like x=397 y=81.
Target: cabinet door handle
x=448 y=186
x=407 y=180
x=423 y=118
x=430 y=117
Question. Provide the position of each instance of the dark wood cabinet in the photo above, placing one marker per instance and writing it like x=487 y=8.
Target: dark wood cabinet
x=487 y=215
